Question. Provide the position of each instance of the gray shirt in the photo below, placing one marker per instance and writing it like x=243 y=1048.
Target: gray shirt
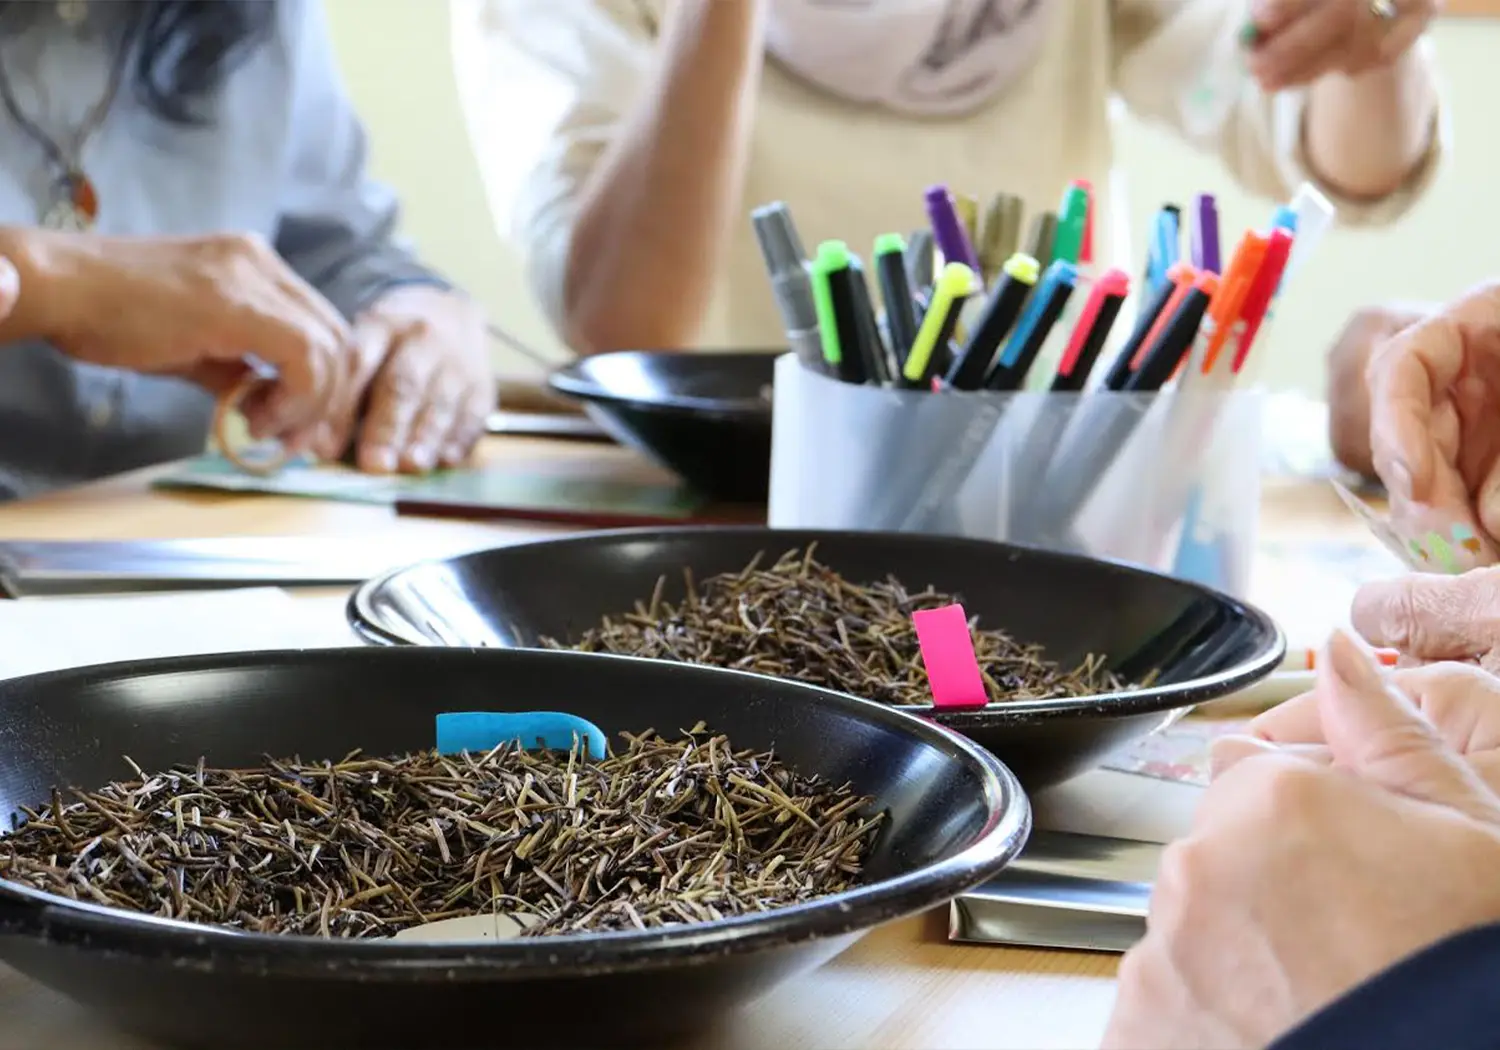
x=283 y=155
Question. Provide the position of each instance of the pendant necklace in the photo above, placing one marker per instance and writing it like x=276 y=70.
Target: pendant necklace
x=74 y=202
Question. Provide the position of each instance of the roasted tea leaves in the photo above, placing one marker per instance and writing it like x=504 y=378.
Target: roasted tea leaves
x=799 y=619
x=666 y=832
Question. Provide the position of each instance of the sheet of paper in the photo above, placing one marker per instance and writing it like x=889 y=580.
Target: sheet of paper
x=49 y=634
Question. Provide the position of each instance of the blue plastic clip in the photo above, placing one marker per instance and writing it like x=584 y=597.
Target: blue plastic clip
x=478 y=732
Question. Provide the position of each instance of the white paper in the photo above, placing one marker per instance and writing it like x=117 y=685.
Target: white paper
x=49 y=634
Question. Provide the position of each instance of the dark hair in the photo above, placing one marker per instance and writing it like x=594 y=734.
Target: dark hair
x=185 y=49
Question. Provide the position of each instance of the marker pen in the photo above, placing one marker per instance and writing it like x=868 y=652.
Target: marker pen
x=947 y=229
x=833 y=292
x=1165 y=248
x=1163 y=357
x=1090 y=448
x=919 y=262
x=1086 y=249
x=1052 y=420
x=1183 y=275
x=1314 y=218
x=1263 y=293
x=895 y=294
x=1204 y=233
x=878 y=365
x=1041 y=313
x=1152 y=312
x=1072 y=216
x=1230 y=300
x=999 y=234
x=966 y=207
x=1099 y=312
x=788 y=268
x=1001 y=310
x=952 y=289
x=1040 y=236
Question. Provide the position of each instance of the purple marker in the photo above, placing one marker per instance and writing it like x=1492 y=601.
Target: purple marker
x=1204 y=232
x=947 y=231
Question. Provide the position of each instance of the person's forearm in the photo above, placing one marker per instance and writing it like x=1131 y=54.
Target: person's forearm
x=656 y=213
x=1366 y=135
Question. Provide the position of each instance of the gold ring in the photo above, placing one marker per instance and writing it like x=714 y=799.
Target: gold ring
x=272 y=455
x=1385 y=10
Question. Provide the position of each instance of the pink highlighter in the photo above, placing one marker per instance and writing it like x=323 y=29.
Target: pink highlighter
x=948 y=654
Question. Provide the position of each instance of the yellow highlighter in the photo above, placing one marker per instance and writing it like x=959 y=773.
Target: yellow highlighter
x=949 y=293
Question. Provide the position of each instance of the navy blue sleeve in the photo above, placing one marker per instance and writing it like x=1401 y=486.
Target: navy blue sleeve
x=1444 y=998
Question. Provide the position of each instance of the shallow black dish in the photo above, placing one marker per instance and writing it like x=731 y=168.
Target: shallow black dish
x=707 y=417
x=956 y=818
x=1205 y=644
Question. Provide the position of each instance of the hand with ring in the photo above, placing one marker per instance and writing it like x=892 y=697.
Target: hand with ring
x=1300 y=41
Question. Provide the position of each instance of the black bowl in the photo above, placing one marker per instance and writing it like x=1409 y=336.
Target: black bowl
x=957 y=816
x=706 y=417
x=1203 y=644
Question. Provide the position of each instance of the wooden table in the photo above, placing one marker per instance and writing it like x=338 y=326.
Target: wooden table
x=900 y=988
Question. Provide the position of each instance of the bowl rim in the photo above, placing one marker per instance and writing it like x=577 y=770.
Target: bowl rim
x=368 y=626
x=29 y=912
x=570 y=381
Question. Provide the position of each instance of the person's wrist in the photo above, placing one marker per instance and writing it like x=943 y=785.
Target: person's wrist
x=50 y=265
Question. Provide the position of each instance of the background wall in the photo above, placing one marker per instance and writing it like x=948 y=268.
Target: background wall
x=409 y=96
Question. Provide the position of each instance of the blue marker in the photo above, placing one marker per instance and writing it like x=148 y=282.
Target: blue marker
x=1042 y=311
x=1166 y=248
x=480 y=732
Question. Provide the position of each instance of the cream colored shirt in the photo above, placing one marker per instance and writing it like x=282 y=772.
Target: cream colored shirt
x=853 y=172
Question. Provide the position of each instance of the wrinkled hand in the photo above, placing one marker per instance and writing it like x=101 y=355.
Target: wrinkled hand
x=1302 y=879
x=195 y=307
x=428 y=382
x=1348 y=392
x=1435 y=421
x=1460 y=701
x=1300 y=41
x=1427 y=618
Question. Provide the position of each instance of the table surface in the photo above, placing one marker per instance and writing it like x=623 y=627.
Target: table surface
x=902 y=986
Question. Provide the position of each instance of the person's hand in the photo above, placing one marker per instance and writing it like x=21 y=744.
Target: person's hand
x=1299 y=41
x=429 y=385
x=1303 y=879
x=1426 y=617
x=1348 y=392
x=1461 y=701
x=1435 y=424
x=195 y=307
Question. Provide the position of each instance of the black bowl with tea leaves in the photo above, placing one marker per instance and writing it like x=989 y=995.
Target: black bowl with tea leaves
x=267 y=850
x=1080 y=656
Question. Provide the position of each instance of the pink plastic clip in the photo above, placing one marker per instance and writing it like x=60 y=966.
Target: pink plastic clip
x=948 y=654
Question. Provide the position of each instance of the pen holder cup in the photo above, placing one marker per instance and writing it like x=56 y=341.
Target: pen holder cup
x=1170 y=481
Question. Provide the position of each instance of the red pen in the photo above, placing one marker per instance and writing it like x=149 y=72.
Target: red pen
x=1086 y=248
x=1263 y=292
x=1091 y=330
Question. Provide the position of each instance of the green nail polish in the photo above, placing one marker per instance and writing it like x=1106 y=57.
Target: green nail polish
x=1249 y=34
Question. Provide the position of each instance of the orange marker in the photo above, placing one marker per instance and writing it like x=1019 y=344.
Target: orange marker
x=1228 y=305
x=1307 y=659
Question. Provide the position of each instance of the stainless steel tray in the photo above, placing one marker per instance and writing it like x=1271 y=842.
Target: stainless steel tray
x=1084 y=892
